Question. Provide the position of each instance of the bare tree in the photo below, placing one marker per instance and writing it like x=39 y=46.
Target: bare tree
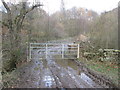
x=15 y=24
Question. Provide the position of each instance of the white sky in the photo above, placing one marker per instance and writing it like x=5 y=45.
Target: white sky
x=96 y=5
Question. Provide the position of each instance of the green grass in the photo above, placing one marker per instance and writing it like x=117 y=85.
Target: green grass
x=103 y=68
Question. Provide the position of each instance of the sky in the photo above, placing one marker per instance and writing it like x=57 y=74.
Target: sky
x=99 y=6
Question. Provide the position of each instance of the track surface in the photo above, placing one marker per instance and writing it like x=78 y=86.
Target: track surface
x=52 y=73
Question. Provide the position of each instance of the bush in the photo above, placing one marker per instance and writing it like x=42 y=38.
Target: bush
x=10 y=63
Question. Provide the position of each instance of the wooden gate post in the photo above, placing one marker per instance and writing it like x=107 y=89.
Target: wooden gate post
x=78 y=52
x=28 y=52
x=62 y=51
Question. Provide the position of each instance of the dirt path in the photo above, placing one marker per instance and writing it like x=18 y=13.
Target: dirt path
x=49 y=73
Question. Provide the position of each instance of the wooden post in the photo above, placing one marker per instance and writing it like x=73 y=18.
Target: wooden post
x=46 y=50
x=78 y=52
x=62 y=51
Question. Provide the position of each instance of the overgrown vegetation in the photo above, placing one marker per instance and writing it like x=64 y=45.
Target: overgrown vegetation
x=23 y=23
x=13 y=23
x=100 y=52
x=104 y=68
x=104 y=30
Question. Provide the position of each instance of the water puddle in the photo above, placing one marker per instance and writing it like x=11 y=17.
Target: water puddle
x=67 y=63
x=48 y=80
x=72 y=68
x=88 y=80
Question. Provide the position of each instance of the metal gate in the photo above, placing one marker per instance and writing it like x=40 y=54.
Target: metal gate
x=64 y=51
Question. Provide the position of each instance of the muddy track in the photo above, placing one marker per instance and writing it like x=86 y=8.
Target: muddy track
x=52 y=73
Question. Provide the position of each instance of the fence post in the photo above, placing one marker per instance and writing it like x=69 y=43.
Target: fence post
x=78 y=51
x=62 y=51
x=46 y=50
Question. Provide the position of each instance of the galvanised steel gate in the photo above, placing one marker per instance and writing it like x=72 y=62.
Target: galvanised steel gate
x=64 y=51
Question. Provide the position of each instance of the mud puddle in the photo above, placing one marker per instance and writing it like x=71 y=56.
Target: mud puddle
x=74 y=68
x=68 y=69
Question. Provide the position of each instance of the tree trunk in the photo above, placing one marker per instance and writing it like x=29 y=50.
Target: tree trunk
x=15 y=26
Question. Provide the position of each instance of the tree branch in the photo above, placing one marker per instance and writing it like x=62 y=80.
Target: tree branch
x=6 y=6
x=33 y=7
x=15 y=6
x=23 y=12
x=9 y=14
x=27 y=11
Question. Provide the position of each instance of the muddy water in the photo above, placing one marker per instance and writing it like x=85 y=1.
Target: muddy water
x=64 y=68
x=73 y=67
x=67 y=63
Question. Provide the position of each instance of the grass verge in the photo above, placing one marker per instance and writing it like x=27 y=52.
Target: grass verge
x=104 y=68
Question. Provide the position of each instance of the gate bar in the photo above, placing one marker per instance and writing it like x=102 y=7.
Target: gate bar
x=46 y=50
x=62 y=51
x=78 y=52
